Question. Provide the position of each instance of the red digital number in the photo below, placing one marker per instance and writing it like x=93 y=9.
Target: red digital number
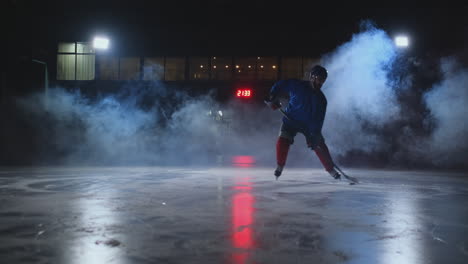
x=244 y=93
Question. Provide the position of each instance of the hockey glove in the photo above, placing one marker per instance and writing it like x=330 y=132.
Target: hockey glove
x=273 y=102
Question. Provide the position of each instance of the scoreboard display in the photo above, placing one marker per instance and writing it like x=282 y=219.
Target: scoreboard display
x=244 y=93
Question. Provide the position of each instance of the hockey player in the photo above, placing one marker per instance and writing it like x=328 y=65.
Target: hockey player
x=305 y=114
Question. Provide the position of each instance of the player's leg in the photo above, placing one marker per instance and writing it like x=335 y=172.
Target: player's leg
x=325 y=158
x=285 y=140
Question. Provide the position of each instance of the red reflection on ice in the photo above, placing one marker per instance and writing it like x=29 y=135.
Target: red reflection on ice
x=243 y=161
x=242 y=220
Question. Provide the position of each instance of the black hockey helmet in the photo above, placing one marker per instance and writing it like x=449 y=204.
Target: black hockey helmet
x=319 y=71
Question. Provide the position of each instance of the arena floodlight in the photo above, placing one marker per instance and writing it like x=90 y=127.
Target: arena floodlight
x=402 y=41
x=101 y=43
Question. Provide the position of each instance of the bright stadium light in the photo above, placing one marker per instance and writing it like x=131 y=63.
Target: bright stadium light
x=101 y=43
x=402 y=41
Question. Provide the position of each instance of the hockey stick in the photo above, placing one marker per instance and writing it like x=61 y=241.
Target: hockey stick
x=352 y=179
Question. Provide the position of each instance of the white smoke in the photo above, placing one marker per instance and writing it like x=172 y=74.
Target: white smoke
x=366 y=112
x=359 y=92
x=173 y=129
x=448 y=102
x=86 y=131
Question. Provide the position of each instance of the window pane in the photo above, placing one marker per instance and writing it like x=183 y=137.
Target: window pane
x=245 y=68
x=221 y=68
x=108 y=67
x=291 y=67
x=130 y=68
x=85 y=67
x=267 y=68
x=66 y=67
x=153 y=69
x=199 y=68
x=84 y=47
x=66 y=47
x=309 y=63
x=175 y=69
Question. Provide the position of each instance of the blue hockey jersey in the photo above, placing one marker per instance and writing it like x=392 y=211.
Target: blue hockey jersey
x=306 y=107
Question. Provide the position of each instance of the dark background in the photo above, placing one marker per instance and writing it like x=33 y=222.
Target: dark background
x=227 y=27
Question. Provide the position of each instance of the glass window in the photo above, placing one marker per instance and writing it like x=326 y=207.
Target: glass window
x=244 y=68
x=75 y=61
x=108 y=67
x=84 y=47
x=291 y=67
x=175 y=69
x=267 y=68
x=153 y=69
x=66 y=47
x=199 y=68
x=66 y=67
x=85 y=67
x=309 y=63
x=129 y=68
x=221 y=68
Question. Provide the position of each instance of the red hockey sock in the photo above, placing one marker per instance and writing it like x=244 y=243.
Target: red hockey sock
x=282 y=148
x=324 y=155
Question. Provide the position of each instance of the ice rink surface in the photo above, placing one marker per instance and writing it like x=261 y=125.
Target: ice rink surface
x=231 y=215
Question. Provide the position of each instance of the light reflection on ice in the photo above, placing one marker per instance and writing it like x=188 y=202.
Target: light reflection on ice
x=94 y=241
x=402 y=241
x=385 y=229
x=242 y=220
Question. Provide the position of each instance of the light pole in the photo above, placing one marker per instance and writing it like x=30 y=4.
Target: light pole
x=402 y=61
